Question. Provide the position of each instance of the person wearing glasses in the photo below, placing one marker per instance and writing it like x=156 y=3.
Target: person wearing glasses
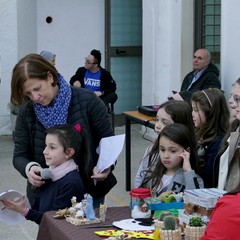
x=95 y=78
x=229 y=170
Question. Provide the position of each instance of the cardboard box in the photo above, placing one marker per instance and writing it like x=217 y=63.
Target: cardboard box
x=206 y=197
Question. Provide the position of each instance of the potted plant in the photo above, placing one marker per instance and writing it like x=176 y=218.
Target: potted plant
x=169 y=231
x=195 y=229
x=159 y=222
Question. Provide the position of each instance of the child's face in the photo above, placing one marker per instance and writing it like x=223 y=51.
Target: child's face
x=198 y=115
x=170 y=154
x=54 y=152
x=163 y=119
x=234 y=101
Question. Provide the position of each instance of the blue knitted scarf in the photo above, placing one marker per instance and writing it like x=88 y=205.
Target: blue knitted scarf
x=57 y=112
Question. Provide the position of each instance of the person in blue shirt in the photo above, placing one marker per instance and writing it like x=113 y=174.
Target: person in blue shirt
x=95 y=78
x=66 y=151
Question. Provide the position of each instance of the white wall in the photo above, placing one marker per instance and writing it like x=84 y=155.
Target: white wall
x=76 y=29
x=167 y=47
x=26 y=25
x=230 y=50
x=8 y=55
x=187 y=38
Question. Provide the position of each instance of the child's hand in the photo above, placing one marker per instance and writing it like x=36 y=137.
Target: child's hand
x=186 y=160
x=17 y=206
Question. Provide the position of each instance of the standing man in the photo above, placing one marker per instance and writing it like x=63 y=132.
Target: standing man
x=95 y=78
x=204 y=75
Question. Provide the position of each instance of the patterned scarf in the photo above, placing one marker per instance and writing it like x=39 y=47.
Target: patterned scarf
x=57 y=112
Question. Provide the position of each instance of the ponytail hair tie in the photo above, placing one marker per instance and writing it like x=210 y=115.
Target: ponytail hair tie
x=77 y=127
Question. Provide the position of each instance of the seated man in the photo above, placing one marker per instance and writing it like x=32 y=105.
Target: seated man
x=204 y=75
x=95 y=78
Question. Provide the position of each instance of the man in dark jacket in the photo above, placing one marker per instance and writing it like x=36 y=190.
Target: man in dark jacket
x=204 y=75
x=95 y=78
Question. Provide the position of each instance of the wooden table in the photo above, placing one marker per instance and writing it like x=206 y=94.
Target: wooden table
x=52 y=229
x=130 y=118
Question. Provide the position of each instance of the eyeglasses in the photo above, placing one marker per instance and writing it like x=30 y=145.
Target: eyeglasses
x=88 y=61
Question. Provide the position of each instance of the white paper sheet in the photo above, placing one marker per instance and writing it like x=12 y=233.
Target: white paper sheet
x=109 y=150
x=132 y=225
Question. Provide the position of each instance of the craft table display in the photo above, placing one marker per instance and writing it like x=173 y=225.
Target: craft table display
x=52 y=229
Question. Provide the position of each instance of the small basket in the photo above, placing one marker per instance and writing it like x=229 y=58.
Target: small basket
x=194 y=233
x=158 y=224
x=170 y=234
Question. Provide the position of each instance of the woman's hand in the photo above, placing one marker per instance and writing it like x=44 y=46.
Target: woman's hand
x=17 y=206
x=77 y=84
x=98 y=93
x=186 y=160
x=100 y=176
x=34 y=176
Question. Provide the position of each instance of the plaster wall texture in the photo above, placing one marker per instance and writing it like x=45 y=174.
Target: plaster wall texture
x=230 y=50
x=77 y=27
x=8 y=57
x=167 y=51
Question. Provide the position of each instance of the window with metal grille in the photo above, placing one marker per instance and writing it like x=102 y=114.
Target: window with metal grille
x=208 y=27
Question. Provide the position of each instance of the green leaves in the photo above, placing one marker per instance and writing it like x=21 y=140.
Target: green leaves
x=196 y=222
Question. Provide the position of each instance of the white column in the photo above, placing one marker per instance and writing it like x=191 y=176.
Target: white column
x=167 y=47
x=230 y=51
x=8 y=54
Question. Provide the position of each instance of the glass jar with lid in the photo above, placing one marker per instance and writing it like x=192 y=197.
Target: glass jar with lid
x=138 y=195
